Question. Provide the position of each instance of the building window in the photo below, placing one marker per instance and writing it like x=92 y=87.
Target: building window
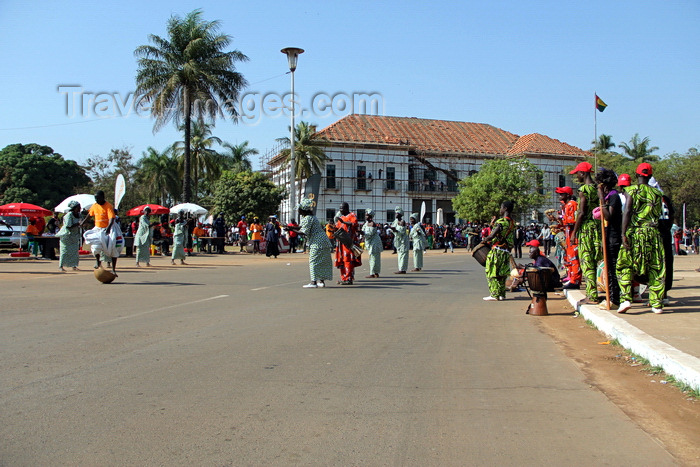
x=360 y=215
x=361 y=177
x=330 y=215
x=330 y=176
x=562 y=180
x=391 y=178
x=390 y=215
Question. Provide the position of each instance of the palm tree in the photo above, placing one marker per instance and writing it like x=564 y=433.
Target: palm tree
x=309 y=156
x=603 y=143
x=639 y=151
x=205 y=162
x=237 y=159
x=188 y=74
x=158 y=172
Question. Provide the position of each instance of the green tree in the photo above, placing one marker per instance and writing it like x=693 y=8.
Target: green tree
x=678 y=175
x=104 y=171
x=639 y=150
x=603 y=144
x=158 y=174
x=35 y=174
x=236 y=158
x=480 y=195
x=246 y=194
x=189 y=74
x=309 y=156
x=206 y=162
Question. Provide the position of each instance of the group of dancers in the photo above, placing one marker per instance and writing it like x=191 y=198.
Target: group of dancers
x=620 y=228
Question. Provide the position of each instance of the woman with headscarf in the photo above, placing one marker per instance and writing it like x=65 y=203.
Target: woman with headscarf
x=320 y=247
x=373 y=244
x=272 y=237
x=420 y=242
x=144 y=238
x=70 y=238
x=400 y=240
x=179 y=239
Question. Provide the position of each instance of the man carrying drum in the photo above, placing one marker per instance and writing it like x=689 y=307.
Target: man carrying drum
x=345 y=258
x=498 y=259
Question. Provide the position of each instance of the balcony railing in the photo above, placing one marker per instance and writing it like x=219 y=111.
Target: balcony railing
x=429 y=186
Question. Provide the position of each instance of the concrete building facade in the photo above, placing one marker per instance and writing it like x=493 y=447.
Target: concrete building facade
x=382 y=162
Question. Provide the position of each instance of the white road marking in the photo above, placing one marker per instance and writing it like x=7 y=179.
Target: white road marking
x=276 y=285
x=160 y=309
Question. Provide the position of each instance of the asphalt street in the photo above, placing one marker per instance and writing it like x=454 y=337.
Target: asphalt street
x=228 y=361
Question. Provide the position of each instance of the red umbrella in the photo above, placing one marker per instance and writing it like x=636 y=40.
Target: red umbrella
x=24 y=209
x=155 y=209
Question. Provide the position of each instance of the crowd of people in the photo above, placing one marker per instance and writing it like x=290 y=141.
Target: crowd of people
x=638 y=243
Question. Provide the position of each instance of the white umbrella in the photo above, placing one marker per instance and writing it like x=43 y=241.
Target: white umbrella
x=85 y=201
x=188 y=207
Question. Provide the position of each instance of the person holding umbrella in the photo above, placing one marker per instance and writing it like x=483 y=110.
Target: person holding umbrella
x=144 y=237
x=69 y=238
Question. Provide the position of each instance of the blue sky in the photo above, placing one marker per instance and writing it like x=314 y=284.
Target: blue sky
x=525 y=67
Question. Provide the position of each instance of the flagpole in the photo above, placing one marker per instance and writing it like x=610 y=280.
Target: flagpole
x=595 y=129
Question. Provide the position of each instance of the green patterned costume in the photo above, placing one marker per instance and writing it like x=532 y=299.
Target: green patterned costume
x=420 y=242
x=645 y=256
x=498 y=259
x=590 y=250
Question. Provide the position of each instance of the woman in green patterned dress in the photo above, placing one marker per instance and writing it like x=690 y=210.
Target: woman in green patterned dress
x=587 y=230
x=320 y=247
x=373 y=244
x=498 y=259
x=144 y=238
x=70 y=237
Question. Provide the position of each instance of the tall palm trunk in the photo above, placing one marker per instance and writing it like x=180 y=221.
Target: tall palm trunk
x=187 y=182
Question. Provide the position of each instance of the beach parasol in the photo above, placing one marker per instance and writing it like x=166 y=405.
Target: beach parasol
x=188 y=207
x=84 y=199
x=24 y=209
x=156 y=209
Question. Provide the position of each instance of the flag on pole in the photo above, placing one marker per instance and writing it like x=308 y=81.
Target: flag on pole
x=599 y=104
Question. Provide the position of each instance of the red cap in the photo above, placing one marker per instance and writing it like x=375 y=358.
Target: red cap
x=535 y=243
x=624 y=180
x=565 y=189
x=644 y=169
x=582 y=167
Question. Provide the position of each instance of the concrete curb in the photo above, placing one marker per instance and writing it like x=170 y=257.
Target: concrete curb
x=682 y=366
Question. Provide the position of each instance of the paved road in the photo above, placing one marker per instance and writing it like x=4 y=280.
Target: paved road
x=230 y=362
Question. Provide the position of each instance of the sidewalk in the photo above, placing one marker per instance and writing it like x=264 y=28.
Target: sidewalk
x=670 y=340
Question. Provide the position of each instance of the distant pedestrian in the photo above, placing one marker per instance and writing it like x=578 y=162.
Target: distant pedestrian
x=70 y=238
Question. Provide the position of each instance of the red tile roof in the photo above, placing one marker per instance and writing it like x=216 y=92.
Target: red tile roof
x=442 y=137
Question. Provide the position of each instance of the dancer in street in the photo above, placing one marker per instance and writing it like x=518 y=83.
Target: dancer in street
x=179 y=239
x=400 y=240
x=345 y=258
x=502 y=237
x=320 y=247
x=373 y=244
x=144 y=238
x=70 y=239
x=420 y=241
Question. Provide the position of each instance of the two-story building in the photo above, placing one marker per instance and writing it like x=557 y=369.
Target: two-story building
x=382 y=162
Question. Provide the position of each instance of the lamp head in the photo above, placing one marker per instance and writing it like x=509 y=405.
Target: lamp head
x=292 y=56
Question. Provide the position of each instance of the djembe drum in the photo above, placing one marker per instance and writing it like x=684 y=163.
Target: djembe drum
x=345 y=239
x=480 y=253
x=539 y=280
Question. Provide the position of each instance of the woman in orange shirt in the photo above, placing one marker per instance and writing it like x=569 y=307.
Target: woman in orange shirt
x=256 y=234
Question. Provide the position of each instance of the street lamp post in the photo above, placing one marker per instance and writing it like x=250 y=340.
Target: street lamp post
x=292 y=56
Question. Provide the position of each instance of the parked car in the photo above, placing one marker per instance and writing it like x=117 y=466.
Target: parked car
x=14 y=237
